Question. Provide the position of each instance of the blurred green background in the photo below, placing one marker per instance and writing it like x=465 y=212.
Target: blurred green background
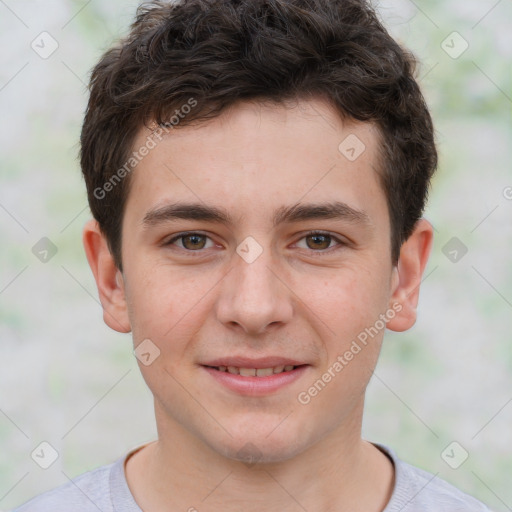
x=67 y=379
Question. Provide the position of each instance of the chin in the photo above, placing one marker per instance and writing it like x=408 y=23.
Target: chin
x=252 y=453
x=251 y=448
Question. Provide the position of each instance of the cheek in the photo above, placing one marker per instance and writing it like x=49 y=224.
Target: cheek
x=348 y=308
x=150 y=304
x=350 y=300
x=168 y=306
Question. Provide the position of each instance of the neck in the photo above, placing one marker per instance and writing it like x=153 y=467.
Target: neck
x=341 y=472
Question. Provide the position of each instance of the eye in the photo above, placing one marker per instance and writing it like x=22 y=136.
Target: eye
x=190 y=241
x=317 y=241
x=320 y=241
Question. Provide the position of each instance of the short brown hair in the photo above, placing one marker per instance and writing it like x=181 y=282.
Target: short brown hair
x=220 y=52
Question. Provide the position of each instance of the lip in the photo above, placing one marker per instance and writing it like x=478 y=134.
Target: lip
x=255 y=386
x=246 y=362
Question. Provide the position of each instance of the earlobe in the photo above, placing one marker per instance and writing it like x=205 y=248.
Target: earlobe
x=406 y=278
x=108 y=277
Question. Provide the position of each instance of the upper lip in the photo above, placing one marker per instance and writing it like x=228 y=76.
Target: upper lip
x=246 y=362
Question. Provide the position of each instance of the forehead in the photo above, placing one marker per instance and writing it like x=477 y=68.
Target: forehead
x=257 y=158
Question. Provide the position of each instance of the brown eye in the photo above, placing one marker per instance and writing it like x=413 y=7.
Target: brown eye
x=318 y=241
x=194 y=241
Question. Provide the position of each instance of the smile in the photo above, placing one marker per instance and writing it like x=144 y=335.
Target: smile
x=255 y=372
x=255 y=382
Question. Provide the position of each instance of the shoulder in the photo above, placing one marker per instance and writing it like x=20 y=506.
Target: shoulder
x=86 y=493
x=417 y=490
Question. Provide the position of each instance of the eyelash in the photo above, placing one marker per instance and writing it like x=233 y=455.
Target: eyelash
x=340 y=243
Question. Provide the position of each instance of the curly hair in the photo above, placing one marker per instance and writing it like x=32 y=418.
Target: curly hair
x=220 y=52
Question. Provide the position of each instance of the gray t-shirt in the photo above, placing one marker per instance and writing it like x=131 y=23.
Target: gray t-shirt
x=105 y=489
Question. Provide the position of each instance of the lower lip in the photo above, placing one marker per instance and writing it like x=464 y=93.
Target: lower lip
x=256 y=386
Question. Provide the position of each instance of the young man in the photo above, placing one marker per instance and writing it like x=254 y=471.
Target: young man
x=257 y=172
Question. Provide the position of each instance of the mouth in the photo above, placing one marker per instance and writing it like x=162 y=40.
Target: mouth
x=255 y=377
x=255 y=372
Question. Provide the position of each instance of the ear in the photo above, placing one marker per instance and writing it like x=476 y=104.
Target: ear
x=109 y=278
x=406 y=278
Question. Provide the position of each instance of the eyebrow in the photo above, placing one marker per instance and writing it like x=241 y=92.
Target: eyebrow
x=285 y=214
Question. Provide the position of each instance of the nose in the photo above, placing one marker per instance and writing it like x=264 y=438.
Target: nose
x=254 y=296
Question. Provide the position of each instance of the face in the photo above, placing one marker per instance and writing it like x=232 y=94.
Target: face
x=283 y=261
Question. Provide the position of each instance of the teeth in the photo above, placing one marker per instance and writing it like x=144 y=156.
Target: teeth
x=256 y=372
x=263 y=372
x=248 y=372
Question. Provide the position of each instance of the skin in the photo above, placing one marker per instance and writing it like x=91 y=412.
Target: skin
x=294 y=300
